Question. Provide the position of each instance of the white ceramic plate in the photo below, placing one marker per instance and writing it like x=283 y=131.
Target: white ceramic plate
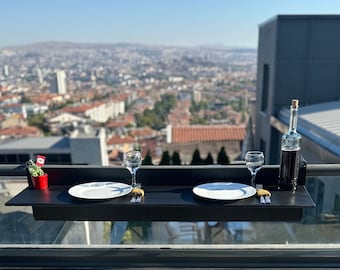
x=224 y=191
x=99 y=190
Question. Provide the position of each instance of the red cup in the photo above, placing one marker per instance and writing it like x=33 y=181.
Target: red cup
x=40 y=182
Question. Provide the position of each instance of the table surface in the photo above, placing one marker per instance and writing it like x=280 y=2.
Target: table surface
x=162 y=203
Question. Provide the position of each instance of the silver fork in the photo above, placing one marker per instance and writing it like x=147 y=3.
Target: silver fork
x=136 y=199
x=267 y=199
x=263 y=199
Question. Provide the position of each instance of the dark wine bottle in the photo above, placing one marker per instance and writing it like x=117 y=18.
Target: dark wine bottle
x=290 y=152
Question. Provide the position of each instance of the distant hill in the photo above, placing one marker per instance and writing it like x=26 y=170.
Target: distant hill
x=56 y=45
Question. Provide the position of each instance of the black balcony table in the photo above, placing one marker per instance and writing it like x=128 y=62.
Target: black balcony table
x=168 y=196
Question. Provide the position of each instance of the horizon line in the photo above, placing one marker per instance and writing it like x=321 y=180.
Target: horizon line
x=212 y=45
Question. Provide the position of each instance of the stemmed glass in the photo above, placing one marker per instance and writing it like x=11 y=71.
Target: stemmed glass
x=254 y=161
x=132 y=161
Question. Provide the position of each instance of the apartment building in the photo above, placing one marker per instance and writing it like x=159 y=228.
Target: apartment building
x=298 y=57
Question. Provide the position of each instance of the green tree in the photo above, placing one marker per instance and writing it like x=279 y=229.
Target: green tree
x=209 y=159
x=196 y=158
x=147 y=160
x=196 y=107
x=165 y=160
x=25 y=99
x=157 y=117
x=197 y=121
x=222 y=157
x=176 y=159
x=39 y=121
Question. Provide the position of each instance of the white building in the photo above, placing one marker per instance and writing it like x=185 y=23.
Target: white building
x=100 y=111
x=105 y=111
x=64 y=120
x=40 y=75
x=197 y=96
x=83 y=147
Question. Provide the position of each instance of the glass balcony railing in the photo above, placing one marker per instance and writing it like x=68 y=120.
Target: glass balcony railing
x=314 y=241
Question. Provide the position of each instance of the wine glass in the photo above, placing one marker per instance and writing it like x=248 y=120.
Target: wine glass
x=254 y=161
x=132 y=161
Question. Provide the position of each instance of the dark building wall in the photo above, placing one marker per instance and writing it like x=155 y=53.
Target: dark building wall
x=308 y=59
x=265 y=85
x=298 y=57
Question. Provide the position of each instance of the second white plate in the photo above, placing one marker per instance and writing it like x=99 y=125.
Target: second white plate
x=99 y=190
x=224 y=191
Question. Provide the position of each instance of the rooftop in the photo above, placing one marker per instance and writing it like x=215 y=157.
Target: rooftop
x=324 y=115
x=20 y=131
x=36 y=143
x=320 y=123
x=301 y=17
x=120 y=140
x=187 y=134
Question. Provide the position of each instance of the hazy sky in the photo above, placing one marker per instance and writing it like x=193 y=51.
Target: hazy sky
x=159 y=22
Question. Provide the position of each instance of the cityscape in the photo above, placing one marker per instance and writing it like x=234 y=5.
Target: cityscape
x=53 y=88
x=87 y=103
x=135 y=93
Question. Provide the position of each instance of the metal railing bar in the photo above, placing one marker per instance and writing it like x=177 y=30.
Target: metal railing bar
x=312 y=169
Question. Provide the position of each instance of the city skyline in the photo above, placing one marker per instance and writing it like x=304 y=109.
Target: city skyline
x=178 y=23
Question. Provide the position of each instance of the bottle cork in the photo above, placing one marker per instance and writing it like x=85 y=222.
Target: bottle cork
x=295 y=103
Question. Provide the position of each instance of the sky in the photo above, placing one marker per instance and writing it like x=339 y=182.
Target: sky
x=153 y=22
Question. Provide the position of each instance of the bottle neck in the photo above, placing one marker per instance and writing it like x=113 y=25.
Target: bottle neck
x=293 y=119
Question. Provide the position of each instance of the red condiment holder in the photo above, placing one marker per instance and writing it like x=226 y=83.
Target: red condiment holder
x=40 y=182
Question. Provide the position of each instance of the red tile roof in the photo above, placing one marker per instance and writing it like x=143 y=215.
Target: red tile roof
x=125 y=120
x=120 y=97
x=20 y=131
x=42 y=98
x=117 y=123
x=142 y=132
x=120 y=140
x=82 y=108
x=198 y=133
x=2 y=117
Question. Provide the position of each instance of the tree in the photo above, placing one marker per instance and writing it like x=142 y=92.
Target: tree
x=39 y=121
x=176 y=159
x=196 y=158
x=197 y=121
x=209 y=159
x=25 y=99
x=222 y=157
x=147 y=160
x=156 y=117
x=165 y=160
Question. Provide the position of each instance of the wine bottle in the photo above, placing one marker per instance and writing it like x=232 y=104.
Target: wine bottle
x=290 y=152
